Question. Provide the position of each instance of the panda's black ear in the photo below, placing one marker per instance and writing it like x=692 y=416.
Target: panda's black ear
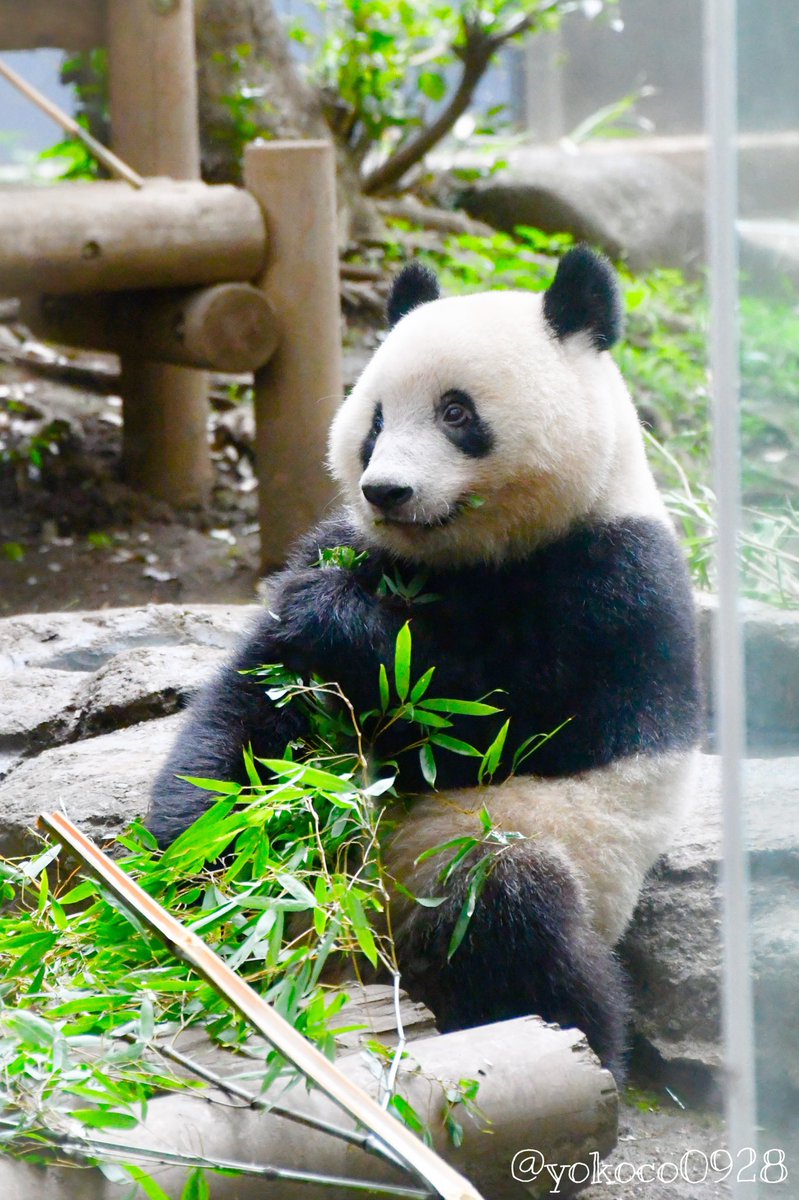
x=584 y=296
x=415 y=285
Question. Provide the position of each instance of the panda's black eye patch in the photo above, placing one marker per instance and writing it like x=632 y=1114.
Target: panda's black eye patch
x=456 y=415
x=463 y=425
x=375 y=429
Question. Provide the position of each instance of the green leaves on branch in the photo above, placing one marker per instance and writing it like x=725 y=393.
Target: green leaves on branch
x=397 y=75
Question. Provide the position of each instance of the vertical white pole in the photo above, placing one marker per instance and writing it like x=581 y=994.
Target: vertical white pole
x=737 y=1011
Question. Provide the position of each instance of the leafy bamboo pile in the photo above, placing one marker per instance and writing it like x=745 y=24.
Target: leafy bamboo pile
x=279 y=876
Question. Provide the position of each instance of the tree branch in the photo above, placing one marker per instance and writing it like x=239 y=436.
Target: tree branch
x=478 y=48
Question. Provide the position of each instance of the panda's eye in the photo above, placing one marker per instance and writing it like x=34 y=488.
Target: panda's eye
x=455 y=413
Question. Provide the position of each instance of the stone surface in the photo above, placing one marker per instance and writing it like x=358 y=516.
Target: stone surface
x=41 y=707
x=100 y=784
x=636 y=208
x=673 y=947
x=770 y=254
x=771 y=642
x=138 y=685
x=34 y=708
x=83 y=641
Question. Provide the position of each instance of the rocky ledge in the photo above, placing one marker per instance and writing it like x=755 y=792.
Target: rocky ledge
x=89 y=706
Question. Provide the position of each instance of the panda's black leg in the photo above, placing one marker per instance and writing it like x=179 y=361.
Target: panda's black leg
x=528 y=948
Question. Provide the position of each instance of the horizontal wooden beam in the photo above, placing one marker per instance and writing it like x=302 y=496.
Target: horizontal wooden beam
x=70 y=25
x=108 y=237
x=228 y=327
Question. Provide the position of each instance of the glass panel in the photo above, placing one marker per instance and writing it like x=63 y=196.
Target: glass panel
x=768 y=242
x=754 y=278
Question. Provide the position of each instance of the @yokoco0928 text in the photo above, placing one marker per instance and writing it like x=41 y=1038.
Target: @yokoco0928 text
x=694 y=1166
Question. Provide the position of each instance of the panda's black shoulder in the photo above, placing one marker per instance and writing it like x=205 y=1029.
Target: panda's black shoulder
x=628 y=573
x=633 y=563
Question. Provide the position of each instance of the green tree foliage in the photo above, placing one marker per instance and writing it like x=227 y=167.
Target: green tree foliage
x=398 y=75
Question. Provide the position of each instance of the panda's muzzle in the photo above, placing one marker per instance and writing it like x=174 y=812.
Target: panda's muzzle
x=388 y=497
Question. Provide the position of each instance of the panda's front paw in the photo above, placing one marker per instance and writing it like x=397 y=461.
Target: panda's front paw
x=314 y=594
x=319 y=610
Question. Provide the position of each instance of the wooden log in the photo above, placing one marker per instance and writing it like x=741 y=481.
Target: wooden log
x=28 y=24
x=153 y=86
x=542 y=1097
x=102 y=237
x=165 y=447
x=298 y=391
x=153 y=94
x=229 y=327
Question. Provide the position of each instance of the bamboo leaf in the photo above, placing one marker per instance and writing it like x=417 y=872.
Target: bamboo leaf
x=477 y=880
x=493 y=754
x=103 y=1118
x=385 y=694
x=455 y=745
x=466 y=708
x=421 y=685
x=427 y=761
x=402 y=662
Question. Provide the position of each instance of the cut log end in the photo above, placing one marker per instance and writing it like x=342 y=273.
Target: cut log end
x=230 y=327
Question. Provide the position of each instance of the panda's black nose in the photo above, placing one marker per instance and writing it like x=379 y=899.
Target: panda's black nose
x=386 y=496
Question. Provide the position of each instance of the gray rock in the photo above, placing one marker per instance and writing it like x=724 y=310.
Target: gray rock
x=84 y=641
x=139 y=685
x=35 y=707
x=673 y=947
x=100 y=783
x=43 y=706
x=771 y=643
x=635 y=207
x=770 y=254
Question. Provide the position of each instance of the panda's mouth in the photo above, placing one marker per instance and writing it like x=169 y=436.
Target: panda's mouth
x=428 y=524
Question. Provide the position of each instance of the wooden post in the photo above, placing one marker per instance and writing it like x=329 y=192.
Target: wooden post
x=543 y=1098
x=298 y=391
x=229 y=327
x=153 y=93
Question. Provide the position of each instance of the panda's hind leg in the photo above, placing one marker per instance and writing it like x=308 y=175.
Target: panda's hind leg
x=528 y=948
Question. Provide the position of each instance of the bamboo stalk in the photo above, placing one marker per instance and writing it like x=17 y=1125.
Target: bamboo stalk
x=109 y=160
x=421 y=1160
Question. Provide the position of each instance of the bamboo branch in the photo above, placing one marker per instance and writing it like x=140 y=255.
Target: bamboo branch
x=186 y=945
x=109 y=160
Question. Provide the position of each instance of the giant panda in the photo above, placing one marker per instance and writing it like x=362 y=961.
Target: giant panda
x=564 y=593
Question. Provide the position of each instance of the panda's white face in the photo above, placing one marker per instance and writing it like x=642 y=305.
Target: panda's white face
x=476 y=433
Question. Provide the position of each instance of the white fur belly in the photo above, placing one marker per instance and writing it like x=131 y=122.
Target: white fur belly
x=608 y=826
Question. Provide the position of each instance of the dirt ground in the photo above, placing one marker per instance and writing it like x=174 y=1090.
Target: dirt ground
x=73 y=535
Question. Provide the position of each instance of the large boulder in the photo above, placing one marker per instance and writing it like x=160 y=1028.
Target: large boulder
x=83 y=641
x=770 y=253
x=673 y=947
x=771 y=646
x=68 y=677
x=637 y=208
x=101 y=784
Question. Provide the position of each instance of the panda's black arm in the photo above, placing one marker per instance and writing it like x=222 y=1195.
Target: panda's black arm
x=231 y=712
x=323 y=620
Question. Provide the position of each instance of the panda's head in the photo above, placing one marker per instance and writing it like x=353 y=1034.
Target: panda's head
x=486 y=425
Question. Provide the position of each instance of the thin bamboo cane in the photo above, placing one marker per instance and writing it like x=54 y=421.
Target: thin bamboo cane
x=420 y=1159
x=110 y=160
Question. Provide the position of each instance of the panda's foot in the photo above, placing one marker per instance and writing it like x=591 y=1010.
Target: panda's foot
x=528 y=948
